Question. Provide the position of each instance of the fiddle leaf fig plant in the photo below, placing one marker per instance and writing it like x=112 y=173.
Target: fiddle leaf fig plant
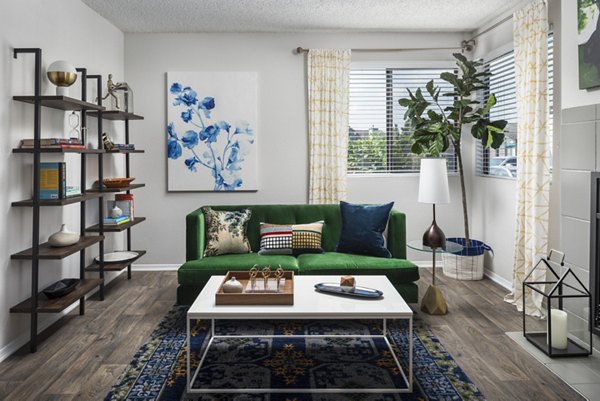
x=436 y=128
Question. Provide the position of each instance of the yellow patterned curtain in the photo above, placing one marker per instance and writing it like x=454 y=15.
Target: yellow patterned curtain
x=328 y=87
x=530 y=32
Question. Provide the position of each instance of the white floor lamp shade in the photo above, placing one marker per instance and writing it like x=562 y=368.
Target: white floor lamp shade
x=433 y=181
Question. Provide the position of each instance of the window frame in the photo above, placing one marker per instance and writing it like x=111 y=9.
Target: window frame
x=386 y=65
x=483 y=153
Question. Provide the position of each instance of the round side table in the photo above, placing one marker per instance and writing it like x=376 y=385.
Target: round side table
x=433 y=302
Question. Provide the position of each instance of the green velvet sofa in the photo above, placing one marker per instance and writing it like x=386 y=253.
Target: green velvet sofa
x=195 y=272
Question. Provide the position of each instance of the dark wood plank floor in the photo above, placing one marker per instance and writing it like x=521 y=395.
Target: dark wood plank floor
x=473 y=333
x=82 y=356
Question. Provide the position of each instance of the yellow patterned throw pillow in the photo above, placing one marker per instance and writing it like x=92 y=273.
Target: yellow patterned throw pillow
x=226 y=231
x=290 y=239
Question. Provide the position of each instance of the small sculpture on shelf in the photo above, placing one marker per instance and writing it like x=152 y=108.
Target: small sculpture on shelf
x=114 y=91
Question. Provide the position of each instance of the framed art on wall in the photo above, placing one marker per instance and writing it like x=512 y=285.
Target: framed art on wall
x=588 y=38
x=211 y=131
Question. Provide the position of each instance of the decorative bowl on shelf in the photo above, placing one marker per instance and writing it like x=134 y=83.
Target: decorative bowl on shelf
x=61 y=288
x=117 y=182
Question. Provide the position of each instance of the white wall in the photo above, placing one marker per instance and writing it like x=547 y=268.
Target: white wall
x=282 y=133
x=63 y=29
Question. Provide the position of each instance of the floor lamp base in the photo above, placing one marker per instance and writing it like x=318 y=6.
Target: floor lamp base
x=433 y=302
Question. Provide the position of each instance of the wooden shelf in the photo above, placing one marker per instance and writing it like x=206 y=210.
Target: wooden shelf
x=124 y=151
x=116 y=115
x=114 y=267
x=49 y=252
x=60 y=102
x=115 y=229
x=57 y=150
x=120 y=189
x=46 y=305
x=61 y=202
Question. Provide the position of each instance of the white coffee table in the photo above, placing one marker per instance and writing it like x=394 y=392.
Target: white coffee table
x=308 y=304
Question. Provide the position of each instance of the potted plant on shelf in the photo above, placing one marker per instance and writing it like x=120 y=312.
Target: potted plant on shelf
x=436 y=128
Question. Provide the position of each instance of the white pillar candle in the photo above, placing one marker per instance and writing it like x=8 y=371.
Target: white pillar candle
x=558 y=321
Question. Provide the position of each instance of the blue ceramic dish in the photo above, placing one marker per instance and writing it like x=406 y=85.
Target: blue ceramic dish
x=359 y=292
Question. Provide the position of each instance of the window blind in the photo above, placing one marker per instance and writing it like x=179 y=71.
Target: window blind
x=502 y=162
x=378 y=141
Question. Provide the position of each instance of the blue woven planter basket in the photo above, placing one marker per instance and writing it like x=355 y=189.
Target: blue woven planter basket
x=468 y=263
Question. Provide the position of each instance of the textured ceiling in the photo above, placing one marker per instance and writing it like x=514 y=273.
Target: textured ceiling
x=299 y=15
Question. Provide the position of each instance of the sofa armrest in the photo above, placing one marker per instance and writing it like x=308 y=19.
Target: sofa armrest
x=396 y=237
x=194 y=235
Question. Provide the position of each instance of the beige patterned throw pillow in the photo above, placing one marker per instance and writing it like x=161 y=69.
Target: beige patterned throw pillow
x=226 y=231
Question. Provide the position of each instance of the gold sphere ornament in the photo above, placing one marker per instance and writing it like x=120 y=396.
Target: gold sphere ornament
x=62 y=74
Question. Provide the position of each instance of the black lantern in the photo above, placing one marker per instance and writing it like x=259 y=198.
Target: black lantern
x=566 y=331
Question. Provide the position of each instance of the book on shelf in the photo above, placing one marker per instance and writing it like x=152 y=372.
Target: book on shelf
x=73 y=191
x=126 y=204
x=115 y=221
x=53 y=180
x=60 y=146
x=51 y=141
x=127 y=146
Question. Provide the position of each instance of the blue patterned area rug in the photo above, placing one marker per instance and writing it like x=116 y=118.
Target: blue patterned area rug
x=158 y=370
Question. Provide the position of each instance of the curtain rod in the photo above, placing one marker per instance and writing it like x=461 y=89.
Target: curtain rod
x=300 y=50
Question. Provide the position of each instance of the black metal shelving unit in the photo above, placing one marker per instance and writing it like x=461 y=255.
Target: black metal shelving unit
x=125 y=117
x=38 y=303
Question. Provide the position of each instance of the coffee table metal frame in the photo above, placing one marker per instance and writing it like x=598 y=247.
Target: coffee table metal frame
x=199 y=310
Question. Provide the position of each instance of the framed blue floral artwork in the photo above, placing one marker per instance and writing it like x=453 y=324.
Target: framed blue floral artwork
x=211 y=131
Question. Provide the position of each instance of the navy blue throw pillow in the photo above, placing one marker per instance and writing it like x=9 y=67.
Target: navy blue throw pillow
x=362 y=229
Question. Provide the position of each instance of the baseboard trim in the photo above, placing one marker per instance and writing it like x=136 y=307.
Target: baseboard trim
x=426 y=264
x=498 y=279
x=155 y=267
x=23 y=338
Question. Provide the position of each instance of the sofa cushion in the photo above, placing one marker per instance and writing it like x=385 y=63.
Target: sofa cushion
x=397 y=270
x=226 y=231
x=362 y=229
x=199 y=271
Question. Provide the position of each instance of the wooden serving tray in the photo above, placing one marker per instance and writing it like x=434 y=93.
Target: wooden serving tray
x=285 y=297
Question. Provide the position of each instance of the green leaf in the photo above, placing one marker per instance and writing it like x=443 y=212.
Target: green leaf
x=416 y=148
x=460 y=57
x=497 y=140
x=430 y=88
x=450 y=78
x=404 y=102
x=419 y=95
x=491 y=102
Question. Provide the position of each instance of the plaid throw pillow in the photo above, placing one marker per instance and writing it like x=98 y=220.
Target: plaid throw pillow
x=290 y=239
